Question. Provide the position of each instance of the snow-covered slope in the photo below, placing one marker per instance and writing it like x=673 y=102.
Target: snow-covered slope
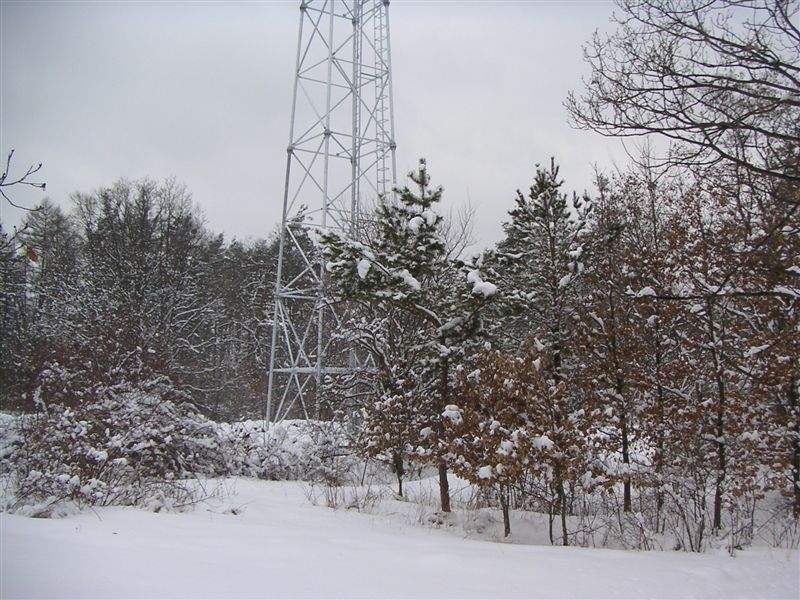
x=282 y=546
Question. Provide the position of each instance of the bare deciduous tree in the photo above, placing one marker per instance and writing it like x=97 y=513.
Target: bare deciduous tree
x=6 y=181
x=720 y=79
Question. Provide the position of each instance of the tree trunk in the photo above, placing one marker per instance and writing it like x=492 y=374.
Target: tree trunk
x=796 y=469
x=504 y=507
x=444 y=487
x=619 y=387
x=562 y=506
x=444 y=396
x=720 y=420
x=659 y=454
x=399 y=471
x=794 y=413
x=562 y=501
x=626 y=460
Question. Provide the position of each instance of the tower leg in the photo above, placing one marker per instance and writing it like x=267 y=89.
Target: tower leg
x=340 y=156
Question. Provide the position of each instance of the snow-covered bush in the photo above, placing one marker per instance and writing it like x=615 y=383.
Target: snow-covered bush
x=9 y=439
x=290 y=450
x=125 y=445
x=146 y=444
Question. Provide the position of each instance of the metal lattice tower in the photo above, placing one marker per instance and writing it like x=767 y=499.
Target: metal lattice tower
x=341 y=156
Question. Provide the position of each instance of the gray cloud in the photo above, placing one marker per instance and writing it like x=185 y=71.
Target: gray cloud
x=202 y=92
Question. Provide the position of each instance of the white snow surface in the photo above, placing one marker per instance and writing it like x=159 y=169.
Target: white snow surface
x=282 y=546
x=479 y=286
x=415 y=223
x=453 y=413
x=409 y=279
x=542 y=442
x=363 y=268
x=645 y=292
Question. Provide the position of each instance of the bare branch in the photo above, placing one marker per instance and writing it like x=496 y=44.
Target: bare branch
x=24 y=179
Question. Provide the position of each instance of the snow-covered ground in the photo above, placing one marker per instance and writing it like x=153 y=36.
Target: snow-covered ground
x=280 y=545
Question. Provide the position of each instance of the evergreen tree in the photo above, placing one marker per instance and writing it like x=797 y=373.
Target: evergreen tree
x=14 y=320
x=538 y=265
x=607 y=340
x=406 y=267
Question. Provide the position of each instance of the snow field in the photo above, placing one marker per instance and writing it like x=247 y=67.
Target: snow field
x=280 y=545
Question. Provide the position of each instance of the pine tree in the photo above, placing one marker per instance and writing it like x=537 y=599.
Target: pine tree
x=405 y=267
x=538 y=265
x=607 y=340
x=15 y=319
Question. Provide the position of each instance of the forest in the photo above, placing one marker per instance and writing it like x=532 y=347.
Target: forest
x=627 y=354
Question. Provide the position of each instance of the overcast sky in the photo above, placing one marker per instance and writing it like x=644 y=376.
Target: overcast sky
x=202 y=91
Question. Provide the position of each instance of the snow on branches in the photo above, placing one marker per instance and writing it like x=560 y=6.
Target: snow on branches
x=404 y=269
x=515 y=421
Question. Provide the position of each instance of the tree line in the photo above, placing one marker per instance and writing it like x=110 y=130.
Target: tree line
x=633 y=350
x=640 y=341
x=127 y=285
